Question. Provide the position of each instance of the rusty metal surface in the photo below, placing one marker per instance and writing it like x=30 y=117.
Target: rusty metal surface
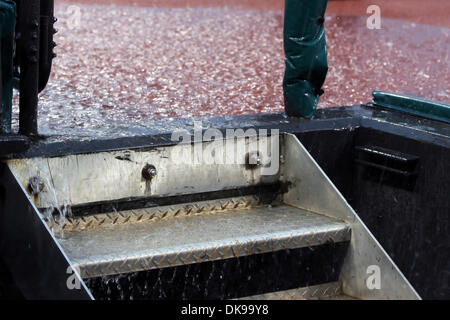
x=150 y=245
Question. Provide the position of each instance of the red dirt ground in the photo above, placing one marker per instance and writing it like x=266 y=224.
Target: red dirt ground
x=138 y=61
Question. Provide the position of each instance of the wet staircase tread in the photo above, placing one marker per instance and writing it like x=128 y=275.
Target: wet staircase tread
x=178 y=241
x=325 y=291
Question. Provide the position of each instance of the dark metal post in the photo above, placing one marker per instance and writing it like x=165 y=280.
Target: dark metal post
x=47 y=44
x=1 y=86
x=28 y=53
x=7 y=24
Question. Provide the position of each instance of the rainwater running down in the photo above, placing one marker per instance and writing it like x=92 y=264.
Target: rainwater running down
x=129 y=68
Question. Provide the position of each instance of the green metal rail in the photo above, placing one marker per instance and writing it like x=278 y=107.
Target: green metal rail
x=414 y=105
x=306 y=55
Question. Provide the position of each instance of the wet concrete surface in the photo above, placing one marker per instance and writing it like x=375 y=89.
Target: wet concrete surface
x=128 y=63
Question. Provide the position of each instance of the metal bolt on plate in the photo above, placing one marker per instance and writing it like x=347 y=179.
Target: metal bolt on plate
x=149 y=172
x=253 y=160
x=35 y=185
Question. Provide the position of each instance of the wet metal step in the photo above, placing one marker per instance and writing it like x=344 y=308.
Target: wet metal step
x=129 y=247
x=158 y=223
x=325 y=291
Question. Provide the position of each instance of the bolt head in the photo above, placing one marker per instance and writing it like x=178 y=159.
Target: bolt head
x=149 y=172
x=253 y=160
x=35 y=185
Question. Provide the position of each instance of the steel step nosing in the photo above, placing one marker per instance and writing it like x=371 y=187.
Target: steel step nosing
x=132 y=247
x=154 y=214
x=156 y=259
x=321 y=291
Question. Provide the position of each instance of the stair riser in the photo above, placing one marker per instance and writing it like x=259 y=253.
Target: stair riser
x=228 y=278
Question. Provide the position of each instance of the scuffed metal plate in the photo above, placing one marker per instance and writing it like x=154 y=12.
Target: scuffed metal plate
x=181 y=169
x=312 y=190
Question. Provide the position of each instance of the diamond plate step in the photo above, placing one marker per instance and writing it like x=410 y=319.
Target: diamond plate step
x=108 y=249
x=326 y=291
x=154 y=214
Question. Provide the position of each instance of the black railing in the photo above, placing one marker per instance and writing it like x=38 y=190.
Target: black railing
x=32 y=62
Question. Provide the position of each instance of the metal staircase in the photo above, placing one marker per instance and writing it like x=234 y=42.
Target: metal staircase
x=148 y=224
